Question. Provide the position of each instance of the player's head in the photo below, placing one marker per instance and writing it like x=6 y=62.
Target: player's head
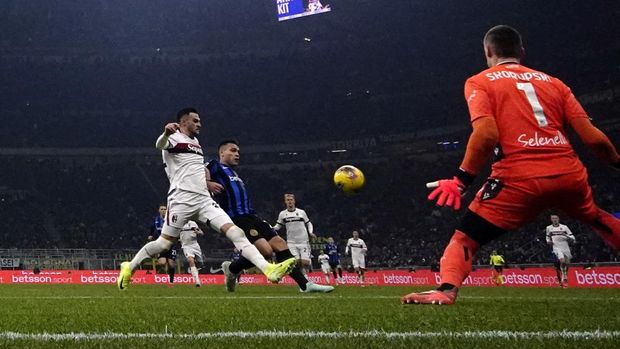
x=555 y=219
x=162 y=210
x=289 y=201
x=502 y=42
x=330 y=240
x=189 y=121
x=229 y=152
x=321 y=252
x=356 y=234
x=494 y=252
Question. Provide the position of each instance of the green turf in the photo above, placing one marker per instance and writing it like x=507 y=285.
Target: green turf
x=188 y=310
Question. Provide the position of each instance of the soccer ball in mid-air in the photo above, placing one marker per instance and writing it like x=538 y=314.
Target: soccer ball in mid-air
x=349 y=179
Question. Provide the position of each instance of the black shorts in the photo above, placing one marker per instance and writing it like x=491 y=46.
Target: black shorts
x=170 y=254
x=498 y=268
x=254 y=227
x=334 y=264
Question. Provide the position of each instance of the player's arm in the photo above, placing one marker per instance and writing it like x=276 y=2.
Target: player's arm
x=279 y=223
x=309 y=226
x=596 y=141
x=346 y=250
x=549 y=238
x=480 y=146
x=163 y=141
x=212 y=185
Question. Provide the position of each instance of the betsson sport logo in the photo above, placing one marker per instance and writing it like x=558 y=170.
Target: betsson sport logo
x=592 y=278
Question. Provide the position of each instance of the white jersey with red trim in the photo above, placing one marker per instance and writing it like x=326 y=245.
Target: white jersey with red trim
x=184 y=163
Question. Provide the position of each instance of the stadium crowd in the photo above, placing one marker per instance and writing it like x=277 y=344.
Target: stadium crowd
x=264 y=84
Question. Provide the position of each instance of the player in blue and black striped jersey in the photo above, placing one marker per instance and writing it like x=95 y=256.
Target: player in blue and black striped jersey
x=168 y=258
x=231 y=193
x=334 y=259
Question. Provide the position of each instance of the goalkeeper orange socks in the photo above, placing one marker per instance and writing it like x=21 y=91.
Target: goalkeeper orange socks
x=457 y=259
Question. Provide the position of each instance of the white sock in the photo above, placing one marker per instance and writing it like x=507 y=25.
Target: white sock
x=249 y=251
x=150 y=250
x=194 y=272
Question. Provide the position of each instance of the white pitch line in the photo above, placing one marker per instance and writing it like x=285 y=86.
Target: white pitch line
x=507 y=335
x=332 y=296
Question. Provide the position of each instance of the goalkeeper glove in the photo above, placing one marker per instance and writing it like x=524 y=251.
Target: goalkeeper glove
x=448 y=191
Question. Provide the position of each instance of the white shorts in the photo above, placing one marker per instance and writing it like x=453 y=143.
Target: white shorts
x=326 y=268
x=359 y=261
x=193 y=250
x=562 y=253
x=300 y=251
x=184 y=206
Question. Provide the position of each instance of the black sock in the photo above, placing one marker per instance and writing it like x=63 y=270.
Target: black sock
x=340 y=272
x=296 y=273
x=239 y=265
x=335 y=275
x=445 y=287
x=171 y=273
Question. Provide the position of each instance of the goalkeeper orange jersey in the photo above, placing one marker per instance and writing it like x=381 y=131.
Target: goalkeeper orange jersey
x=531 y=110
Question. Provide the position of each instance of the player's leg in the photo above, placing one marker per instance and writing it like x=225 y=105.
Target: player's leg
x=243 y=263
x=219 y=220
x=172 y=265
x=164 y=242
x=326 y=272
x=456 y=262
x=193 y=270
x=162 y=264
x=362 y=268
x=575 y=198
x=497 y=208
x=500 y=275
x=283 y=253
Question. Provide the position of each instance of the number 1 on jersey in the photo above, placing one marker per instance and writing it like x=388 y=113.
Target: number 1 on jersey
x=530 y=94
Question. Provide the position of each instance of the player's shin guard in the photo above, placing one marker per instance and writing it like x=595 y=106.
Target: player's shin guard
x=457 y=258
x=608 y=228
x=249 y=251
x=296 y=273
x=149 y=250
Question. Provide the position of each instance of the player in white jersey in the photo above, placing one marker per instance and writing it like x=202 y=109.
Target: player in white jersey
x=189 y=199
x=358 y=250
x=324 y=263
x=559 y=237
x=191 y=248
x=298 y=229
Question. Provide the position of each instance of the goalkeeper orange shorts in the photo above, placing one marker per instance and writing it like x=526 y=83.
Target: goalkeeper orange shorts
x=512 y=203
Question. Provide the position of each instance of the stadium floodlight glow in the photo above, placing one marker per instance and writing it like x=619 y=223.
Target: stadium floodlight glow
x=338 y=151
x=289 y=9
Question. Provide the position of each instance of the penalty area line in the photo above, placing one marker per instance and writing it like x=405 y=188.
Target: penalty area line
x=507 y=335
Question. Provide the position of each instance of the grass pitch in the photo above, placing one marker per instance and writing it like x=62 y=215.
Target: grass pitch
x=64 y=316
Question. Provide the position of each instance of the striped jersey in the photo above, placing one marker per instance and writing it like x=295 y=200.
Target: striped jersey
x=184 y=163
x=296 y=225
x=560 y=235
x=234 y=199
x=356 y=246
